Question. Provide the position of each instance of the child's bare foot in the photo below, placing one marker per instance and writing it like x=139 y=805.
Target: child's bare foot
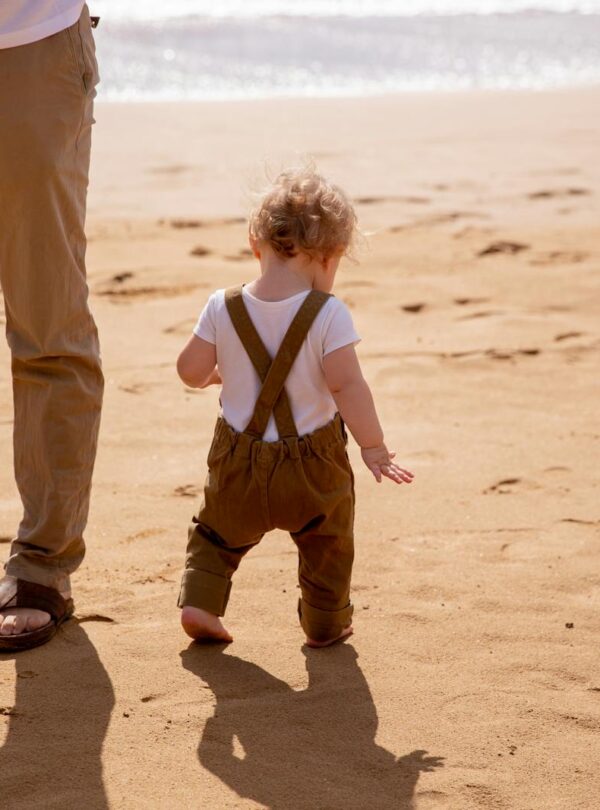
x=200 y=624
x=347 y=631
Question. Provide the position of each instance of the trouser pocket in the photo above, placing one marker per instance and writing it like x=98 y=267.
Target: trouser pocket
x=83 y=51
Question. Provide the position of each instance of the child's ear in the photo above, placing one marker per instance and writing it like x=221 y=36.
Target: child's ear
x=253 y=242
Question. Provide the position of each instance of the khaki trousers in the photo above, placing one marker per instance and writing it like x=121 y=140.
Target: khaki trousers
x=46 y=99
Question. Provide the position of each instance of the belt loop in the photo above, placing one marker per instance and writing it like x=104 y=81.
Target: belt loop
x=293 y=447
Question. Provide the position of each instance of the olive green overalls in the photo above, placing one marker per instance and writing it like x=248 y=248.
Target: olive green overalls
x=302 y=484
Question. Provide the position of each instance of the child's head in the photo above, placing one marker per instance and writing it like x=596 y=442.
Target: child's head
x=302 y=213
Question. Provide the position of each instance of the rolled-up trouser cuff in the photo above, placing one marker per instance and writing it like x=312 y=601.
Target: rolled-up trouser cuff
x=323 y=625
x=204 y=590
x=21 y=567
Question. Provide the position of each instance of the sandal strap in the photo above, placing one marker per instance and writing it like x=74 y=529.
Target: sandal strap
x=33 y=595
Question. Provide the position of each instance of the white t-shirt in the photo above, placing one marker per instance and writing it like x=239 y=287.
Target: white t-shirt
x=310 y=399
x=24 y=21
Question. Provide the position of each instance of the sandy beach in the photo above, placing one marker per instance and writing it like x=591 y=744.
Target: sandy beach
x=471 y=681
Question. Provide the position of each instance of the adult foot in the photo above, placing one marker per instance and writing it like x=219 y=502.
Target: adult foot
x=347 y=631
x=203 y=626
x=17 y=620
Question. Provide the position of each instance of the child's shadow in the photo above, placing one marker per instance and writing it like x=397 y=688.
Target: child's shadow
x=306 y=749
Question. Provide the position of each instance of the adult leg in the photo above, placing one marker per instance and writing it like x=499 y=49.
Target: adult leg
x=46 y=100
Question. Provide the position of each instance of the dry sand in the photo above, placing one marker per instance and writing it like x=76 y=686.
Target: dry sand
x=472 y=679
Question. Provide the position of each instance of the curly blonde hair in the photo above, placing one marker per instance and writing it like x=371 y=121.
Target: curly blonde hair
x=302 y=212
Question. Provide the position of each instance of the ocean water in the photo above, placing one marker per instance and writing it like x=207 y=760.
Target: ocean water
x=236 y=49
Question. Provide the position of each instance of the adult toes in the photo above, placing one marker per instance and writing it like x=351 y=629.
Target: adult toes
x=8 y=624
x=19 y=624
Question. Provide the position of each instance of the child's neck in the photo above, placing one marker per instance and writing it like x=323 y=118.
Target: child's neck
x=281 y=278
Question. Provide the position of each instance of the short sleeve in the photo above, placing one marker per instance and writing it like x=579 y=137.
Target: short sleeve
x=338 y=328
x=206 y=328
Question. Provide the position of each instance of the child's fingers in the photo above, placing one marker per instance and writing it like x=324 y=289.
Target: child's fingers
x=406 y=475
x=376 y=470
x=397 y=474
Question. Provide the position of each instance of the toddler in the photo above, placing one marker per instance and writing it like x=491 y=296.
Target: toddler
x=282 y=348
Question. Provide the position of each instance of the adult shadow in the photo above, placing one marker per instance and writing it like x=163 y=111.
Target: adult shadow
x=291 y=750
x=51 y=757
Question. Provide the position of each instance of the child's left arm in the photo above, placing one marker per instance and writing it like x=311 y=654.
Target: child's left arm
x=197 y=363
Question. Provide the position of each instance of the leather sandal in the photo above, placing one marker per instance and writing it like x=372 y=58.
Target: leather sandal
x=23 y=594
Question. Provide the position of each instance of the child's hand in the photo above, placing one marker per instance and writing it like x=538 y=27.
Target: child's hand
x=379 y=461
x=214 y=378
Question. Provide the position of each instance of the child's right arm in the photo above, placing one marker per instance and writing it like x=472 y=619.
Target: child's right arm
x=197 y=363
x=355 y=403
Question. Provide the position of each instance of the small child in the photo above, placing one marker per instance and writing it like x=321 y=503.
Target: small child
x=282 y=347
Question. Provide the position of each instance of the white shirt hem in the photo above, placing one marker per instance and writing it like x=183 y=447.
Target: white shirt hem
x=47 y=28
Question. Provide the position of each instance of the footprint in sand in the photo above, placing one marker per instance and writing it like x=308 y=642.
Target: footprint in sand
x=504 y=247
x=181 y=224
x=136 y=388
x=436 y=219
x=414 y=308
x=548 y=194
x=461 y=302
x=121 y=277
x=145 y=533
x=130 y=293
x=508 y=486
x=200 y=250
x=410 y=618
x=559 y=257
x=503 y=487
x=412 y=199
x=580 y=521
x=149 y=580
x=187 y=491
x=585 y=721
x=485 y=313
x=181 y=327
x=498 y=354
x=568 y=336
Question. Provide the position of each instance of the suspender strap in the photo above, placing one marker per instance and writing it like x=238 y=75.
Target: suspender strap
x=259 y=356
x=284 y=360
x=273 y=373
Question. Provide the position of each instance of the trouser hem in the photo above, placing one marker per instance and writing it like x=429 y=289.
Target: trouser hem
x=323 y=625
x=41 y=575
x=204 y=590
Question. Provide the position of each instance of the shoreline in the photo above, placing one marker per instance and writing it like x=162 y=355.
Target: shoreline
x=396 y=94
